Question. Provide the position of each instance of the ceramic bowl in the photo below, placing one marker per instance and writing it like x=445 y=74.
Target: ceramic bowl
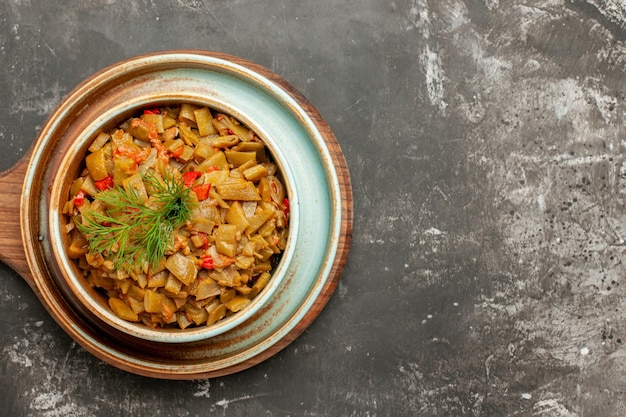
x=183 y=91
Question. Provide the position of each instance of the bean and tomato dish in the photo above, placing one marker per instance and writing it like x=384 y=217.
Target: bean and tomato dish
x=178 y=216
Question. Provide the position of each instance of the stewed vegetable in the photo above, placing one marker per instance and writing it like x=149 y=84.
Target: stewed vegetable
x=178 y=217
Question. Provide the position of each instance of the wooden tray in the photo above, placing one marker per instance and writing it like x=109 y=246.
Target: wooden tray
x=255 y=94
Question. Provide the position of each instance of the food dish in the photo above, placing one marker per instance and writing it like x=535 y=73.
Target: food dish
x=316 y=180
x=178 y=217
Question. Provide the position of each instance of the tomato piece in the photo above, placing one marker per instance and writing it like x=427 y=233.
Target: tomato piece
x=105 y=183
x=202 y=191
x=189 y=177
x=207 y=262
x=79 y=200
x=178 y=152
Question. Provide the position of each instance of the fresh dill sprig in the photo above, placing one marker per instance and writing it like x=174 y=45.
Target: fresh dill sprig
x=173 y=197
x=131 y=233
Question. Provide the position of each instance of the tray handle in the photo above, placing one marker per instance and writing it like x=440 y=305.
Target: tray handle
x=11 y=247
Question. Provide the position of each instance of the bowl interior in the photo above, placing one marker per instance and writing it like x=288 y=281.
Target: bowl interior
x=72 y=164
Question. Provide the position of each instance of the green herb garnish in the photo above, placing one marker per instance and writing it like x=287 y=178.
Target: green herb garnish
x=132 y=233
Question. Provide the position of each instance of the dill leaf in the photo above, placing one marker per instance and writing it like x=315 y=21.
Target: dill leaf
x=131 y=233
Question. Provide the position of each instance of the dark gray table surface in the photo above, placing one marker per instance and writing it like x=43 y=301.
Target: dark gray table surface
x=486 y=144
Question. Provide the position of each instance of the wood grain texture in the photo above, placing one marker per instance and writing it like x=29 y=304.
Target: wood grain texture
x=11 y=246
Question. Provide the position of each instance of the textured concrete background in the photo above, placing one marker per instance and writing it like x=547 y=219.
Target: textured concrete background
x=485 y=140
